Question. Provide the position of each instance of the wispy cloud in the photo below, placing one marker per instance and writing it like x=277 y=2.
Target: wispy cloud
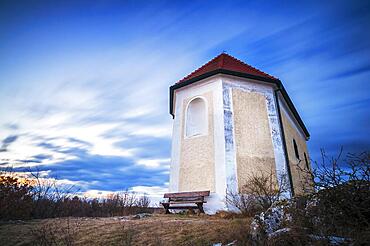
x=5 y=143
x=85 y=99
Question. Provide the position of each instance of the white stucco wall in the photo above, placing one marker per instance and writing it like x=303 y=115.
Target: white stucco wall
x=267 y=90
x=214 y=85
x=221 y=87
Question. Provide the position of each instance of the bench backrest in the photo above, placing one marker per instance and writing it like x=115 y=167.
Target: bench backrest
x=188 y=196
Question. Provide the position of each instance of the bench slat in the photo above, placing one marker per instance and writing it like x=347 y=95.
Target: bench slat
x=187 y=194
x=184 y=202
x=186 y=198
x=183 y=207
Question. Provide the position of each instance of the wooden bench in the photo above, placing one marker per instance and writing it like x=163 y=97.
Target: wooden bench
x=181 y=200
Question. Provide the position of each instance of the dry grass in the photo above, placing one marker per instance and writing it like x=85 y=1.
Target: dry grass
x=156 y=230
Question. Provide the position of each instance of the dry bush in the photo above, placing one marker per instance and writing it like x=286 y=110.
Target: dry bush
x=15 y=197
x=117 y=204
x=336 y=203
x=258 y=194
x=126 y=235
x=49 y=197
x=143 y=201
x=37 y=197
x=340 y=204
x=59 y=232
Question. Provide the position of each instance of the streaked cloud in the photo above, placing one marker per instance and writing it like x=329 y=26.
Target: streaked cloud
x=153 y=163
x=85 y=100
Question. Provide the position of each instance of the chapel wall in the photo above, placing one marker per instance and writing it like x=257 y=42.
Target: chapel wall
x=197 y=158
x=298 y=168
x=254 y=147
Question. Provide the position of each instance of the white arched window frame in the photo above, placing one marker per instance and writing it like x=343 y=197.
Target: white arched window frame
x=196 y=117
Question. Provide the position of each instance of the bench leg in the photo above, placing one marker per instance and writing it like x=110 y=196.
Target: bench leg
x=167 y=207
x=200 y=207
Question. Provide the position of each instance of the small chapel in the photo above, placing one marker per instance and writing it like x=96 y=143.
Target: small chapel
x=230 y=120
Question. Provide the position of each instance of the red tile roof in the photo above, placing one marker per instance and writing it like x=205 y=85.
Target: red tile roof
x=226 y=62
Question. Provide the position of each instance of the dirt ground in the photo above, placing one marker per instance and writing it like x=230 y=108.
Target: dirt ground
x=158 y=229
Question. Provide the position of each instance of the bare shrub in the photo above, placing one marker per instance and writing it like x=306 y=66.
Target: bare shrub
x=49 y=196
x=335 y=206
x=143 y=201
x=340 y=205
x=59 y=232
x=39 y=197
x=126 y=235
x=258 y=194
x=15 y=197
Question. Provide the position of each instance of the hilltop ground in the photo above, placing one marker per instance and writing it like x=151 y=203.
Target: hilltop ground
x=157 y=229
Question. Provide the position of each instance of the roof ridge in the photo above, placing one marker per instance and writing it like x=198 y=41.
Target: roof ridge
x=244 y=63
x=215 y=64
x=222 y=59
x=196 y=70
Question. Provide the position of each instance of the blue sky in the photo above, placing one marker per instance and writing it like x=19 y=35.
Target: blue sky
x=84 y=84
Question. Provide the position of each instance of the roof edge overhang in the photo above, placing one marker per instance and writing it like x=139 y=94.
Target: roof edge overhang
x=275 y=82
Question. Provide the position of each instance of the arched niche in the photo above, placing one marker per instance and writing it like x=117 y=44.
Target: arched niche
x=196 y=118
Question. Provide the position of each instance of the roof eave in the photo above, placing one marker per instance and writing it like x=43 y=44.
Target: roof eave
x=276 y=82
x=291 y=106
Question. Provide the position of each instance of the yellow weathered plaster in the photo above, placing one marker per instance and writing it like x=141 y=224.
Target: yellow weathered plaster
x=299 y=171
x=254 y=149
x=197 y=169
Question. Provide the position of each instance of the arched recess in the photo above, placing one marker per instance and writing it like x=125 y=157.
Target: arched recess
x=196 y=123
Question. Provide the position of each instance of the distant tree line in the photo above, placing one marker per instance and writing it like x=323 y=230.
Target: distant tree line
x=37 y=198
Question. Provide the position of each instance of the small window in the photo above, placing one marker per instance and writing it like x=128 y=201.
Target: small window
x=306 y=161
x=196 y=118
x=295 y=149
